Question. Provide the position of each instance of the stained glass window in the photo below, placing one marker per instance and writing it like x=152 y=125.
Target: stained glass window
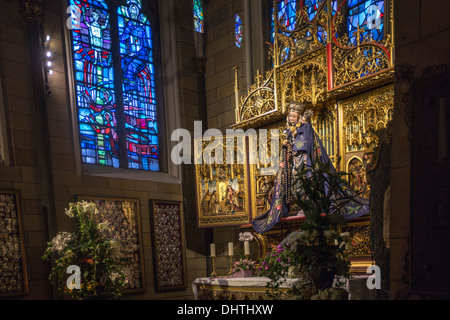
x=117 y=117
x=238 y=30
x=312 y=6
x=139 y=89
x=334 y=6
x=367 y=17
x=199 y=23
x=286 y=16
x=287 y=13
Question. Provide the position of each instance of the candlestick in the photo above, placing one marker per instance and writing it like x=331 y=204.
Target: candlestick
x=246 y=248
x=231 y=266
x=212 y=248
x=230 y=249
x=213 y=273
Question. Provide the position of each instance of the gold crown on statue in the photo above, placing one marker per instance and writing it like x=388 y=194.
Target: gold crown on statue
x=308 y=114
x=296 y=107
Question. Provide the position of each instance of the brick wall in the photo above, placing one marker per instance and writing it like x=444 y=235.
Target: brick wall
x=221 y=57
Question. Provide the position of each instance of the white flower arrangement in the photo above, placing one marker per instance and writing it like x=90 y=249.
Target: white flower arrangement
x=245 y=236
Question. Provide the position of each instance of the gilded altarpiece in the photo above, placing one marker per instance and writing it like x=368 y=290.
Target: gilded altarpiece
x=362 y=117
x=336 y=56
x=222 y=181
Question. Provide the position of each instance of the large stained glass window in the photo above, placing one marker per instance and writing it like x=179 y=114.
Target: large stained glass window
x=117 y=112
x=365 y=17
x=139 y=89
x=199 y=22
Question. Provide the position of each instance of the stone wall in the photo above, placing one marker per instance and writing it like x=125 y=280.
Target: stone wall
x=25 y=170
x=421 y=41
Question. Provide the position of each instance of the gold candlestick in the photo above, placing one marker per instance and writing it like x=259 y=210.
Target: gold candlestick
x=213 y=273
x=231 y=266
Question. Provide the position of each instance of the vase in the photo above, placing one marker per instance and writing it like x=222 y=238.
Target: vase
x=243 y=274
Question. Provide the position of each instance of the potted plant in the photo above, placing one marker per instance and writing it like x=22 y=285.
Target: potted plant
x=318 y=251
x=87 y=248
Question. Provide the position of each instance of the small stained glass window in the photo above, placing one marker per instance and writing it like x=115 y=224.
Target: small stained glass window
x=199 y=22
x=238 y=30
x=312 y=6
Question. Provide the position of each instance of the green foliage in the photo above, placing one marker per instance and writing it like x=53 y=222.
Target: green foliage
x=98 y=257
x=318 y=251
x=319 y=189
x=278 y=265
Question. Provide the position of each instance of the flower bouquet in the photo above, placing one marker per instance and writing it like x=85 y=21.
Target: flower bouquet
x=278 y=264
x=244 y=267
x=96 y=259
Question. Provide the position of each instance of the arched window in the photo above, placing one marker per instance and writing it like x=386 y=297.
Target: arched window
x=115 y=84
x=199 y=23
x=238 y=30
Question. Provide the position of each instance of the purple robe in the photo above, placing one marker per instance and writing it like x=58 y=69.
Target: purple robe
x=305 y=143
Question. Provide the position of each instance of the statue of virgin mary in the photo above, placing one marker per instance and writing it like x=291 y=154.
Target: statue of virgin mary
x=302 y=142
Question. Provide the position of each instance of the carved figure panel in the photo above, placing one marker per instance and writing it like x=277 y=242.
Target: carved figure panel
x=221 y=182
x=363 y=116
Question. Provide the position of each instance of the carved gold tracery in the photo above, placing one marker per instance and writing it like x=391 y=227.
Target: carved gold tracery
x=316 y=67
x=304 y=80
x=260 y=99
x=363 y=116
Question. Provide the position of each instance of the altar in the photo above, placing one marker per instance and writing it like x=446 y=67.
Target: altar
x=233 y=288
x=254 y=288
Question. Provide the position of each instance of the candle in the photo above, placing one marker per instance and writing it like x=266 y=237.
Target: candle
x=213 y=249
x=246 y=248
x=230 y=249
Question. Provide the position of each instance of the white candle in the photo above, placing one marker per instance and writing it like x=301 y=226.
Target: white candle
x=230 y=249
x=246 y=248
x=212 y=248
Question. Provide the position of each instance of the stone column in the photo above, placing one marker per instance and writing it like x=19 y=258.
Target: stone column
x=32 y=12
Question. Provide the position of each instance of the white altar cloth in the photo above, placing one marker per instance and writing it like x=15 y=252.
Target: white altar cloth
x=355 y=285
x=254 y=282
